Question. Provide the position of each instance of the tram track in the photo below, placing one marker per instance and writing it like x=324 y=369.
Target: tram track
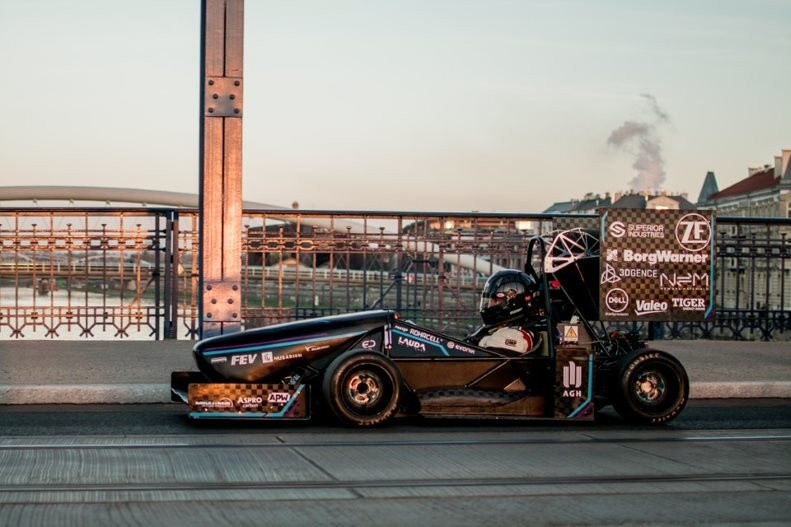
x=279 y=442
x=476 y=482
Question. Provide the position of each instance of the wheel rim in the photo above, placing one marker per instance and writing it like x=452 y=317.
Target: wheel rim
x=364 y=389
x=650 y=387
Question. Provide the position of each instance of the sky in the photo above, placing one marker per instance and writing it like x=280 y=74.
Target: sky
x=404 y=105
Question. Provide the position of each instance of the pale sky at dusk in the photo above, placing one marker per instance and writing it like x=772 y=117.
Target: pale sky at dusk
x=420 y=105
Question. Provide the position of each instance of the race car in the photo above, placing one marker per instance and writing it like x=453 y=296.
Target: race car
x=536 y=356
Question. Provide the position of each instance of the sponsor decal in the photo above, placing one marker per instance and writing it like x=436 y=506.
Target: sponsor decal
x=368 y=344
x=458 y=347
x=319 y=347
x=638 y=273
x=610 y=276
x=220 y=404
x=617 y=229
x=617 y=300
x=425 y=336
x=646 y=230
x=413 y=344
x=510 y=342
x=218 y=360
x=267 y=357
x=684 y=281
x=243 y=360
x=572 y=380
x=663 y=256
x=693 y=232
x=289 y=356
x=690 y=304
x=249 y=403
x=650 y=307
x=401 y=328
x=612 y=255
x=278 y=397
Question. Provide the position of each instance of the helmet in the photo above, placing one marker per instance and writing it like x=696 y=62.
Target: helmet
x=507 y=295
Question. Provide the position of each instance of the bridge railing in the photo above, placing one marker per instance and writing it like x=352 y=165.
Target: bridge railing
x=130 y=273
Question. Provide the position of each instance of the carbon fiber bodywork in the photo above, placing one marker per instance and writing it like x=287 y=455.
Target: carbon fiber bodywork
x=441 y=376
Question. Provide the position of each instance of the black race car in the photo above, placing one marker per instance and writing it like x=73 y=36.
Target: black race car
x=537 y=356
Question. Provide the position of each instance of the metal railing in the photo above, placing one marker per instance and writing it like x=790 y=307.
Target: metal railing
x=130 y=273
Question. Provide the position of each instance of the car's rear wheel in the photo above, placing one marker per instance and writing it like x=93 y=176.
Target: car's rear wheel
x=362 y=389
x=652 y=387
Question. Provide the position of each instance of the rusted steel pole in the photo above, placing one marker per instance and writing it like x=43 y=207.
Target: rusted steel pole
x=222 y=32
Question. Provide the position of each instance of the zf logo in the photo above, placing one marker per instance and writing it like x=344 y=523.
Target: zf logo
x=572 y=380
x=693 y=232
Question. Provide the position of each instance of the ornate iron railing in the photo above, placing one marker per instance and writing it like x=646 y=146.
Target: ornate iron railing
x=118 y=273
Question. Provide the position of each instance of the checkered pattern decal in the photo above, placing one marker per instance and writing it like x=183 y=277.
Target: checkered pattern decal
x=257 y=400
x=656 y=265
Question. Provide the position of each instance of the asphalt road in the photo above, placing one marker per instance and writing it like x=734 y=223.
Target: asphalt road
x=719 y=463
x=169 y=419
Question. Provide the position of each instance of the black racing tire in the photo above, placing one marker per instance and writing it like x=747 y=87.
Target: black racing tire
x=651 y=387
x=362 y=389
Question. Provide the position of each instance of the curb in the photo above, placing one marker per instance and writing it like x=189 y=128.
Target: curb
x=740 y=390
x=84 y=393
x=160 y=393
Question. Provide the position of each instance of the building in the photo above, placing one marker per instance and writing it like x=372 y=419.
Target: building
x=592 y=204
x=764 y=193
x=748 y=253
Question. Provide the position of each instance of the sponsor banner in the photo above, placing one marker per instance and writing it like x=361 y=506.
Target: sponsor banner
x=260 y=400
x=656 y=265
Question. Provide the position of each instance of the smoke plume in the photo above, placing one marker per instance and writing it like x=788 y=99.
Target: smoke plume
x=640 y=140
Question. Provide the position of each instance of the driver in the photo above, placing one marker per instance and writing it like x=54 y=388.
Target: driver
x=508 y=303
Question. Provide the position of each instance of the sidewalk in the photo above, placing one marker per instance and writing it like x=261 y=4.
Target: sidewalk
x=77 y=372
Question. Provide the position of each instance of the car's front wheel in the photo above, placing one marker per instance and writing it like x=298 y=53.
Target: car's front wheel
x=362 y=389
x=652 y=387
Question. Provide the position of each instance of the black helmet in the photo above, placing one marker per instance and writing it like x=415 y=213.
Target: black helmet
x=507 y=295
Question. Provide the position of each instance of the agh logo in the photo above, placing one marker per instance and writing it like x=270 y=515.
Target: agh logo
x=572 y=380
x=693 y=232
x=617 y=229
x=278 y=397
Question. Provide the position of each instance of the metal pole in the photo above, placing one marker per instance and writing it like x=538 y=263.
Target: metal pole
x=222 y=32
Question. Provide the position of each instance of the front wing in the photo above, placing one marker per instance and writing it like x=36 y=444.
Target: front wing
x=248 y=401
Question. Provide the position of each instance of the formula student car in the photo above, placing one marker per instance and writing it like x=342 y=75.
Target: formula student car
x=538 y=355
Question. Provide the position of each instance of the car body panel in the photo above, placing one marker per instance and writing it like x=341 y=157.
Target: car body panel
x=445 y=376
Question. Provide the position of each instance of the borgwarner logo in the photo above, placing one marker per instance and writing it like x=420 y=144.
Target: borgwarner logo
x=693 y=232
x=617 y=300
